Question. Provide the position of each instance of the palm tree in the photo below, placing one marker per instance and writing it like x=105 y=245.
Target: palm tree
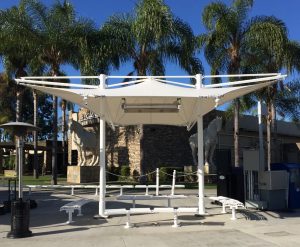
x=16 y=49
x=277 y=98
x=230 y=40
x=148 y=38
x=59 y=33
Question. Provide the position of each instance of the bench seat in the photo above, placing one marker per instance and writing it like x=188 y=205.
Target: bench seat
x=72 y=206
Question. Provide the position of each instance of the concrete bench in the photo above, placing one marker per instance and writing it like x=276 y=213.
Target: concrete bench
x=129 y=211
x=228 y=202
x=72 y=206
x=134 y=198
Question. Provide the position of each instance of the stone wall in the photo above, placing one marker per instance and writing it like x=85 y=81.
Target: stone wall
x=162 y=145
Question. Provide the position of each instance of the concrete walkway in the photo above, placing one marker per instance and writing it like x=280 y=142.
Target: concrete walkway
x=253 y=228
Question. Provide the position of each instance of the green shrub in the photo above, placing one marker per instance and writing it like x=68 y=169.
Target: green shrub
x=9 y=162
x=125 y=173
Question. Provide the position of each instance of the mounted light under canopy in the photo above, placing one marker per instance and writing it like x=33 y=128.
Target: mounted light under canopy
x=151 y=108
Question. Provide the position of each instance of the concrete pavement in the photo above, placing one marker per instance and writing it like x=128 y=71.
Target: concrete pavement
x=253 y=228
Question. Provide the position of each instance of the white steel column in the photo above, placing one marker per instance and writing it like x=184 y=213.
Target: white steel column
x=261 y=140
x=200 y=172
x=102 y=173
x=102 y=169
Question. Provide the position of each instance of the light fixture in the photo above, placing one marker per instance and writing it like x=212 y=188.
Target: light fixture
x=151 y=108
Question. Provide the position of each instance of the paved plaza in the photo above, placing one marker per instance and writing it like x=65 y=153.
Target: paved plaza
x=252 y=228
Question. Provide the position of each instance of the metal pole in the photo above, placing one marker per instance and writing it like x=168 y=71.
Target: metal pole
x=102 y=169
x=201 y=208
x=102 y=157
x=157 y=181
x=173 y=183
x=20 y=154
x=261 y=140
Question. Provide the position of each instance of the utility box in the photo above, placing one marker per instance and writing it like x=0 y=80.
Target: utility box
x=273 y=180
x=273 y=187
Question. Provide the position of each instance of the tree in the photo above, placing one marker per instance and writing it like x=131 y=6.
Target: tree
x=58 y=33
x=230 y=41
x=284 y=55
x=149 y=38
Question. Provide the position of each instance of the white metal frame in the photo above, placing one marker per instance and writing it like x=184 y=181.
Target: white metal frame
x=40 y=80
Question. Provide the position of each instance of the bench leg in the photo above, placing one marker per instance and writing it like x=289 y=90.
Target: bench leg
x=233 y=214
x=72 y=191
x=147 y=191
x=128 y=223
x=70 y=220
x=223 y=209
x=121 y=191
x=176 y=224
x=169 y=202
x=133 y=203
x=96 y=192
x=29 y=192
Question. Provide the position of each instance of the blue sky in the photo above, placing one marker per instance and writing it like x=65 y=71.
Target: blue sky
x=188 y=10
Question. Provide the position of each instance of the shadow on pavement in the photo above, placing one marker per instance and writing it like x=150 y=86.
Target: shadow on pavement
x=60 y=231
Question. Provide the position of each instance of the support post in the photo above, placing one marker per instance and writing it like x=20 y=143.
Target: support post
x=198 y=81
x=175 y=224
x=102 y=169
x=261 y=140
x=157 y=181
x=173 y=183
x=200 y=172
x=20 y=154
x=102 y=173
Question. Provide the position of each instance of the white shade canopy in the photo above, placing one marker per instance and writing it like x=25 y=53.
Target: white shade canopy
x=151 y=100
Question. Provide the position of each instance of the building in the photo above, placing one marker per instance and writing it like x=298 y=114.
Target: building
x=146 y=147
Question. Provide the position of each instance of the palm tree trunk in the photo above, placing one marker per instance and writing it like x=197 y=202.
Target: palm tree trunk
x=236 y=132
x=63 y=107
x=18 y=104
x=142 y=72
x=1 y=160
x=275 y=154
x=35 y=141
x=54 y=143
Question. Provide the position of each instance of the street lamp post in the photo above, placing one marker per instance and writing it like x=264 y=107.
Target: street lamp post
x=20 y=213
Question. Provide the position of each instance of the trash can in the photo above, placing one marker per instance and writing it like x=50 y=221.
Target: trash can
x=20 y=211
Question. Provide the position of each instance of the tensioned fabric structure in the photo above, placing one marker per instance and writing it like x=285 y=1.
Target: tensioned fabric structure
x=151 y=100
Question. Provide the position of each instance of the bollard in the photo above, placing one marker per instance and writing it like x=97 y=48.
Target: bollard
x=173 y=183
x=157 y=181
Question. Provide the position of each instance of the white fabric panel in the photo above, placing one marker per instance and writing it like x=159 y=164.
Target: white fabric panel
x=108 y=102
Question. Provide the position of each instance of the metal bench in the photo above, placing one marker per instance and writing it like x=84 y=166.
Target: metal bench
x=228 y=202
x=72 y=206
x=134 y=198
x=129 y=211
